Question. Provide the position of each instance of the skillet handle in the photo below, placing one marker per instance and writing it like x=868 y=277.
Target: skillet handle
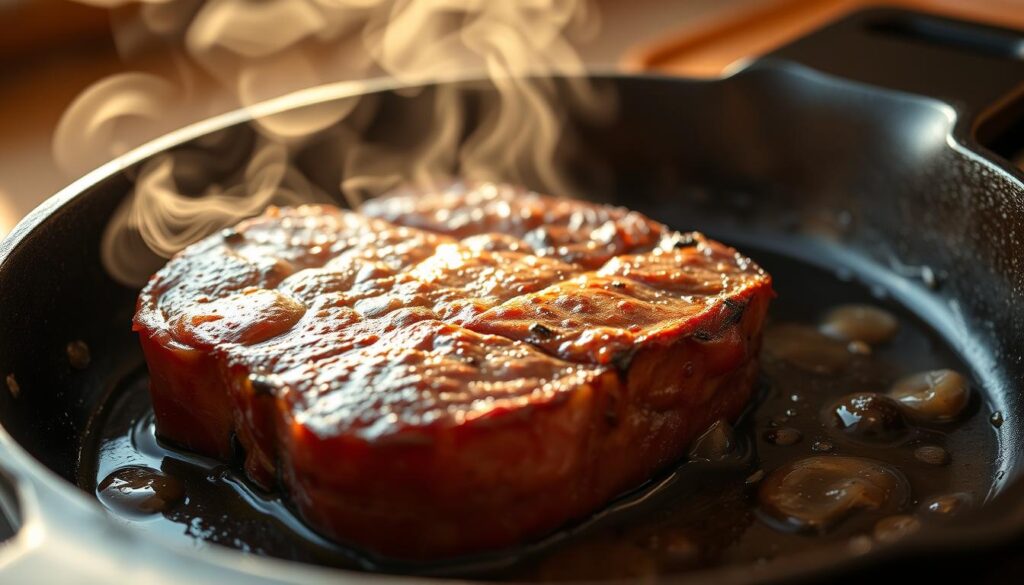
x=975 y=68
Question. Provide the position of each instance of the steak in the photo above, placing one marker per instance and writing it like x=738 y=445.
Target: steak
x=450 y=372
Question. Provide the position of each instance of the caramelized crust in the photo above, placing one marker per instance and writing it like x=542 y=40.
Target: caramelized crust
x=581 y=233
x=450 y=372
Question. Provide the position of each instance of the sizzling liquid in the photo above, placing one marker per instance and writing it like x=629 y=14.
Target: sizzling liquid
x=704 y=513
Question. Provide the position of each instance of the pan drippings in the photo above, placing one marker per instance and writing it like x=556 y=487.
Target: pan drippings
x=817 y=493
x=139 y=491
x=867 y=429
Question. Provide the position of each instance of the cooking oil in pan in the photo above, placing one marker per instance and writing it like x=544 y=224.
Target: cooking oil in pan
x=866 y=426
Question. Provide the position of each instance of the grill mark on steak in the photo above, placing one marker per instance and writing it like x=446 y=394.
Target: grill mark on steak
x=356 y=357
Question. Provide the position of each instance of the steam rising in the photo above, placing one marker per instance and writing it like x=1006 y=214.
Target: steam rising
x=111 y=117
x=257 y=50
x=168 y=220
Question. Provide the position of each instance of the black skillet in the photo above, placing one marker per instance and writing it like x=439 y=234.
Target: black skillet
x=879 y=145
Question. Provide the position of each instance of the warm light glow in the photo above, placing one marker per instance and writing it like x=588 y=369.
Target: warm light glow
x=8 y=216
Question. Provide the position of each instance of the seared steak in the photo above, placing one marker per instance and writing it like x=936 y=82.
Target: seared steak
x=450 y=372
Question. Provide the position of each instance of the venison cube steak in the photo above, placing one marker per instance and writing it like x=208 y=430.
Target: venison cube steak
x=450 y=372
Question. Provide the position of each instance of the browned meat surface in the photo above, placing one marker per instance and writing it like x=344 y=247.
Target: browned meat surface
x=450 y=372
x=567 y=229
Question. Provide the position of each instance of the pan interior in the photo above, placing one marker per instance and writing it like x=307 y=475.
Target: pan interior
x=698 y=515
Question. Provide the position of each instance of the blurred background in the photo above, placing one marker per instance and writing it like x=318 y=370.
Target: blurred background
x=54 y=50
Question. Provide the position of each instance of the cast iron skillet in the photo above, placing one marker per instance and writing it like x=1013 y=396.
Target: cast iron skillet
x=859 y=146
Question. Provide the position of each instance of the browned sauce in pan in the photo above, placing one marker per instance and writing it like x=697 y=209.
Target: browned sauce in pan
x=867 y=427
